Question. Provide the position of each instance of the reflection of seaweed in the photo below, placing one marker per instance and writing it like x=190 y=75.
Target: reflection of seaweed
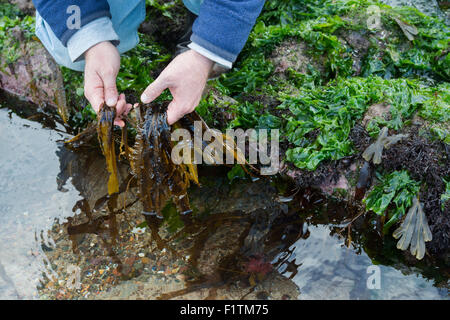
x=414 y=231
x=375 y=150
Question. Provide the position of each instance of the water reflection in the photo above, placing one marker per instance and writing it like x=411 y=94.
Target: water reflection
x=29 y=202
x=326 y=269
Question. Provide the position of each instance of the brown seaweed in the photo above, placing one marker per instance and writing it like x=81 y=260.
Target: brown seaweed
x=375 y=150
x=159 y=179
x=105 y=127
x=414 y=231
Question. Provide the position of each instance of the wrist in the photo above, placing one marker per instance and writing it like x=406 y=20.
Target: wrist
x=99 y=46
x=208 y=63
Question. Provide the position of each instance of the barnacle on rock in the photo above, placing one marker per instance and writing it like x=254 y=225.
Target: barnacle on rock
x=375 y=150
x=414 y=231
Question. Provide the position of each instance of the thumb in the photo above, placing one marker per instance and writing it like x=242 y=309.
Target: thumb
x=111 y=94
x=154 y=90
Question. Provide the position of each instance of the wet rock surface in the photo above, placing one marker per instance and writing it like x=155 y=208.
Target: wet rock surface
x=34 y=76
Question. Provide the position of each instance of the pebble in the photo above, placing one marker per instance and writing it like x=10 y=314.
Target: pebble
x=180 y=277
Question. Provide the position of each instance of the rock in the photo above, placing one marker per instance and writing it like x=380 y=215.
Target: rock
x=429 y=7
x=380 y=110
x=329 y=186
x=292 y=54
x=88 y=174
x=34 y=76
x=359 y=42
x=25 y=6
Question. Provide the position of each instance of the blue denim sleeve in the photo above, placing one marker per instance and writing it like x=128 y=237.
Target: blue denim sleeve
x=223 y=26
x=56 y=14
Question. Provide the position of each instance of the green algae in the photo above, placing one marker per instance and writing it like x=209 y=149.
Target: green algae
x=391 y=197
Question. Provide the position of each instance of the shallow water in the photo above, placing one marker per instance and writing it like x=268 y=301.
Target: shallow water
x=327 y=269
x=317 y=262
x=29 y=201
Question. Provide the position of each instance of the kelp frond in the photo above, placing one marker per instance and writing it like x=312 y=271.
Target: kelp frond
x=375 y=150
x=105 y=126
x=159 y=179
x=414 y=231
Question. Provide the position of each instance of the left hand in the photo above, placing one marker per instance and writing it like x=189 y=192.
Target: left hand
x=186 y=78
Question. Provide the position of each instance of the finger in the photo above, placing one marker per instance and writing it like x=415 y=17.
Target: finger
x=93 y=91
x=154 y=90
x=128 y=108
x=119 y=122
x=95 y=97
x=121 y=105
x=111 y=94
x=174 y=112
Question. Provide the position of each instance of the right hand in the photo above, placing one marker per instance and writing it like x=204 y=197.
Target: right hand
x=100 y=73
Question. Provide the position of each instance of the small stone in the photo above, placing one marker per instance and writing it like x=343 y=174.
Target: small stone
x=180 y=277
x=129 y=261
x=262 y=295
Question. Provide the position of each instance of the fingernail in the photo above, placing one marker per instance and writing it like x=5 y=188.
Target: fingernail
x=144 y=98
x=111 y=102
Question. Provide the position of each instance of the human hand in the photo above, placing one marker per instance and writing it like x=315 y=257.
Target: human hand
x=185 y=77
x=100 y=73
